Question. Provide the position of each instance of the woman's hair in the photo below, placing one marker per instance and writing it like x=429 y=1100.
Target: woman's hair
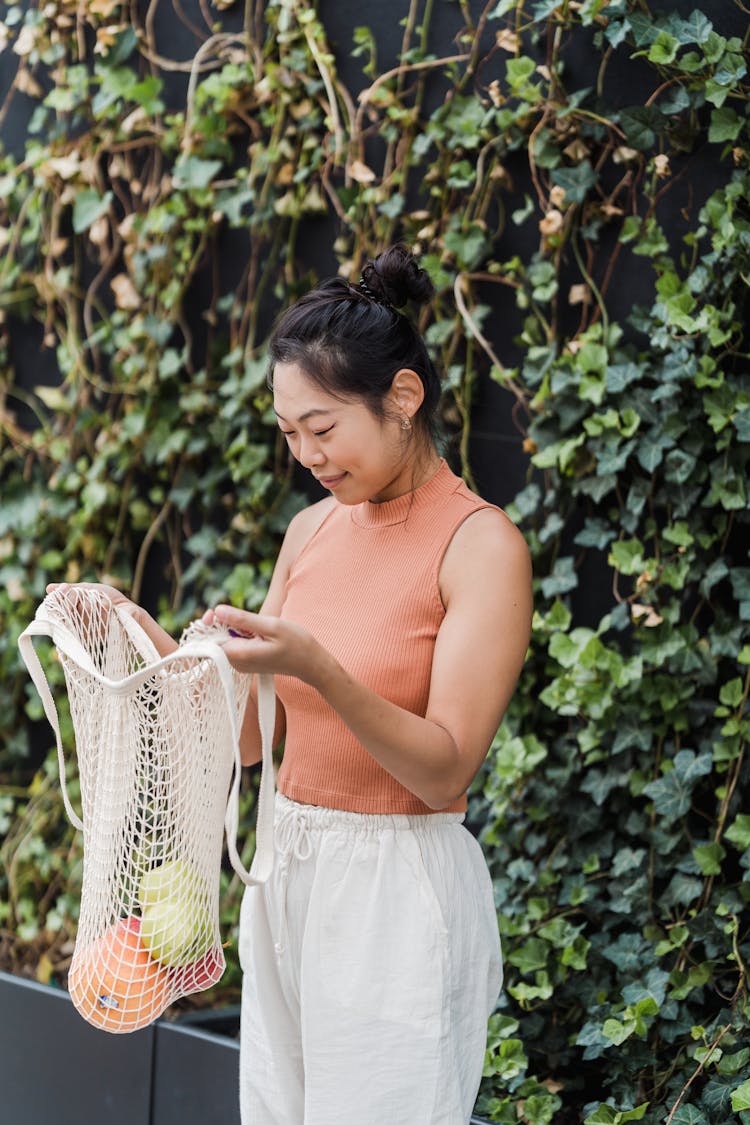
x=351 y=340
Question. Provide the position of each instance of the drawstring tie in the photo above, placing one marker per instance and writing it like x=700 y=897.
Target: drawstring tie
x=293 y=841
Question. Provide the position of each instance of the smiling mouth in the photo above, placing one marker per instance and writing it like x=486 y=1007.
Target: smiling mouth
x=331 y=482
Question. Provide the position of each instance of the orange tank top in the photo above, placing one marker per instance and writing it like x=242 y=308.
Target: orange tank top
x=366 y=586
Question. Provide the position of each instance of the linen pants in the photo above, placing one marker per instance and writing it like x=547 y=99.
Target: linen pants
x=371 y=963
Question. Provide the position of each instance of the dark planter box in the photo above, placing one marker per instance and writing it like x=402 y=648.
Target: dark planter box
x=195 y=1076
x=57 y=1070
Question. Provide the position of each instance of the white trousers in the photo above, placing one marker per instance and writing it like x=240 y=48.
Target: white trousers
x=371 y=963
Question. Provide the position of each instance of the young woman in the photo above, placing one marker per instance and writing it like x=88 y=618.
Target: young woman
x=396 y=625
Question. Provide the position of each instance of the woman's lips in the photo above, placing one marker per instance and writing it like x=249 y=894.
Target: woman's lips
x=331 y=482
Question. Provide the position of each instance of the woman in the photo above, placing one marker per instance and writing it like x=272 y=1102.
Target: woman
x=396 y=624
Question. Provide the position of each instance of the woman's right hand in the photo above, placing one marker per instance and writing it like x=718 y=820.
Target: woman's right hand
x=163 y=643
x=115 y=596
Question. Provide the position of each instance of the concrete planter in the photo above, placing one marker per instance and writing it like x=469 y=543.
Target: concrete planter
x=57 y=1070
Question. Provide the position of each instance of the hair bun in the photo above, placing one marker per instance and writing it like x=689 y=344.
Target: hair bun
x=395 y=278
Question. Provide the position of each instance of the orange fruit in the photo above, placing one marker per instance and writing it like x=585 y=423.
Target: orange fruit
x=114 y=982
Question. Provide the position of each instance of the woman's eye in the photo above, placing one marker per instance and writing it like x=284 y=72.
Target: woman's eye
x=319 y=433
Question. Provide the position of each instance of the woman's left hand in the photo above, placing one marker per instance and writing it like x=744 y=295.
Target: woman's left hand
x=268 y=644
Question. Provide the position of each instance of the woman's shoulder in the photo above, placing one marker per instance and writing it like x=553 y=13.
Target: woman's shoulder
x=303 y=526
x=300 y=531
x=487 y=543
x=482 y=522
x=489 y=520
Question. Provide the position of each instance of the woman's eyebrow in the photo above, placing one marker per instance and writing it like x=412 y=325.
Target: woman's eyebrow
x=305 y=416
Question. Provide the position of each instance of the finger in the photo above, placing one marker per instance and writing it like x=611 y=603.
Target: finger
x=249 y=654
x=242 y=621
x=245 y=648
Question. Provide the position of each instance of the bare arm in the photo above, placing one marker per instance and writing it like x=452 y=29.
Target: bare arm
x=304 y=524
x=486 y=587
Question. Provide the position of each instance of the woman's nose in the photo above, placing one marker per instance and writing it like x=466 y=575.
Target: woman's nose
x=310 y=454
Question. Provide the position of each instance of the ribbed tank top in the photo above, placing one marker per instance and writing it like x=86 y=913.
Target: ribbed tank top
x=366 y=586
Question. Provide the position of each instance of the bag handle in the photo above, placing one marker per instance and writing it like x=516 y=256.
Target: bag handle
x=69 y=644
x=262 y=863
x=40 y=628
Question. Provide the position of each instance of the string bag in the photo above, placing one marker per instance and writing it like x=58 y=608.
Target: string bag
x=157 y=749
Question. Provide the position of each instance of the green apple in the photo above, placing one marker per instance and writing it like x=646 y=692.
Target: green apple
x=176 y=937
x=174 y=879
x=176 y=921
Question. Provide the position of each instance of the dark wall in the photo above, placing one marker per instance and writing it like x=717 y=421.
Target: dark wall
x=499 y=465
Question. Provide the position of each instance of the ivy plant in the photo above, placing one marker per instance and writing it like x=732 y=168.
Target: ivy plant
x=541 y=158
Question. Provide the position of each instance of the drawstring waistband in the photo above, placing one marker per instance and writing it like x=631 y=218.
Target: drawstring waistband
x=296 y=825
x=321 y=818
x=293 y=834
x=293 y=841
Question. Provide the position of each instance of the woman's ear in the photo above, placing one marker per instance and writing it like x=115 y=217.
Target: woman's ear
x=406 y=392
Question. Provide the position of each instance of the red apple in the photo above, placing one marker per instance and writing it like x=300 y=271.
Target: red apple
x=201 y=974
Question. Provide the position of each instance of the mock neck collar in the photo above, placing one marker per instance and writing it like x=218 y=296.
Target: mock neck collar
x=387 y=512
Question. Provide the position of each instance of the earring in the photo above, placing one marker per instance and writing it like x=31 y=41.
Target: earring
x=406 y=423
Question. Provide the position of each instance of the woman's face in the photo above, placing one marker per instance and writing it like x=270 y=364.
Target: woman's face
x=350 y=451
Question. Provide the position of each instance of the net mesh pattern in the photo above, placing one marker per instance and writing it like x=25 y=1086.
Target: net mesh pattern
x=155 y=749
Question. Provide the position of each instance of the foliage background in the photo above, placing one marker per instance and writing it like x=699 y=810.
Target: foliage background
x=576 y=177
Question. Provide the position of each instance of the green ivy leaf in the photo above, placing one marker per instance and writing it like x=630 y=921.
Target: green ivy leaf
x=562 y=580
x=608 y=1115
x=714 y=46
x=715 y=92
x=672 y=793
x=89 y=206
x=735 y=1062
x=732 y=692
x=709 y=857
x=125 y=43
x=641 y=124
x=618 y=1031
x=726 y=125
x=689 y=1115
x=575 y=181
x=741 y=1097
x=696 y=28
x=717 y=1097
x=664 y=49
x=193 y=172
x=626 y=556
x=506 y=1061
x=468 y=245
x=519 y=71
x=530 y=957
x=738 y=832
x=544 y=8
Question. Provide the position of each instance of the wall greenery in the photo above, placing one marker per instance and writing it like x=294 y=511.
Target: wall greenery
x=147 y=238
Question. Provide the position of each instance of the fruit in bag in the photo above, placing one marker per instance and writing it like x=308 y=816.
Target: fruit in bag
x=115 y=983
x=176 y=926
x=200 y=975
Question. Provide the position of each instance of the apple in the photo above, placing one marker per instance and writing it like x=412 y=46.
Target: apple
x=176 y=936
x=199 y=975
x=176 y=920
x=173 y=879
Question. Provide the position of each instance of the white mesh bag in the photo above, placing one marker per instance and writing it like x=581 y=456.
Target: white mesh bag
x=157 y=748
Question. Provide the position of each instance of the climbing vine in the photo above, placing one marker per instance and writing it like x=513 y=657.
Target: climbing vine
x=575 y=177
